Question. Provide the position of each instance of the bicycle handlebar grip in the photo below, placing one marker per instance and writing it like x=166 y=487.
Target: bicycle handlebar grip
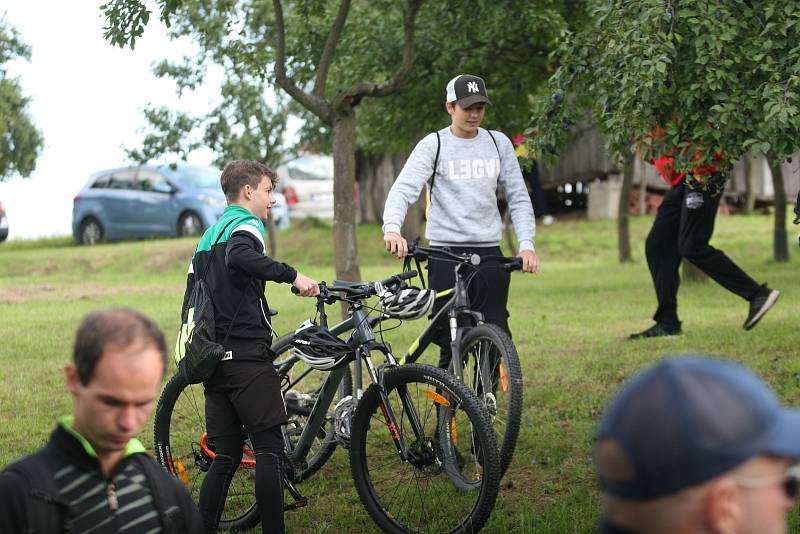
x=514 y=265
x=396 y=279
x=406 y=275
x=321 y=288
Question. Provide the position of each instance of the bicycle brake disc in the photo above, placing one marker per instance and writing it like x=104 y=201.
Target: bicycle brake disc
x=342 y=419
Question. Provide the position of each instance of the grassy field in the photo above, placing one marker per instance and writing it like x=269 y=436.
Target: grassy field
x=569 y=324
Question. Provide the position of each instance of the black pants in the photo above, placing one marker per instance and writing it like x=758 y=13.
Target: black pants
x=682 y=229
x=488 y=293
x=243 y=398
x=269 y=451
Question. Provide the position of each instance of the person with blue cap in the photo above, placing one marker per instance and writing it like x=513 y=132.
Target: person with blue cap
x=695 y=444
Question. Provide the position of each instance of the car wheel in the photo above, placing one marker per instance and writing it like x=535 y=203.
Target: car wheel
x=189 y=224
x=91 y=231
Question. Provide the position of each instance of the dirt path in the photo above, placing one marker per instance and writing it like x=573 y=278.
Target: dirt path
x=18 y=295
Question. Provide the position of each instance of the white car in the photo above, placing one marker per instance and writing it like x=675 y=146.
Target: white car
x=307 y=185
x=3 y=224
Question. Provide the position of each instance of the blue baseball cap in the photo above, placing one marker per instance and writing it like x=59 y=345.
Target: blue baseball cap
x=685 y=421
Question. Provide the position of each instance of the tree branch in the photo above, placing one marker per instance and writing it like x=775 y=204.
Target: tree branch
x=331 y=43
x=359 y=90
x=315 y=104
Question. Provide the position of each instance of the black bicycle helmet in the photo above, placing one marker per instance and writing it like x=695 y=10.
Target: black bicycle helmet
x=320 y=349
x=408 y=303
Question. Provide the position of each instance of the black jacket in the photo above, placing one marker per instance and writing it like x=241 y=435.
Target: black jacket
x=60 y=488
x=231 y=257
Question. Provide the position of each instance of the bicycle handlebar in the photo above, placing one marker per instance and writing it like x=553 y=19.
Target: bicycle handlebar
x=358 y=290
x=421 y=253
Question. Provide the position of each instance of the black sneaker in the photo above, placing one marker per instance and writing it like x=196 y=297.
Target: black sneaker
x=760 y=305
x=658 y=330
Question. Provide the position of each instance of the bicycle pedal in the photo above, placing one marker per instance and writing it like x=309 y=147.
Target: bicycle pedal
x=300 y=503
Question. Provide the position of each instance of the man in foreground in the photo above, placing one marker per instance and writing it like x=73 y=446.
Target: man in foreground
x=93 y=474
x=696 y=445
x=243 y=396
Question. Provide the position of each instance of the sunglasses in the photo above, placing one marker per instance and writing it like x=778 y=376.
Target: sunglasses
x=790 y=481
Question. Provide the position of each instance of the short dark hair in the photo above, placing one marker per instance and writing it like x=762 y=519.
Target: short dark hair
x=241 y=172
x=115 y=327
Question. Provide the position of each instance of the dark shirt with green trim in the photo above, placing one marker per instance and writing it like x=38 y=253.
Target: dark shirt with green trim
x=87 y=500
x=231 y=255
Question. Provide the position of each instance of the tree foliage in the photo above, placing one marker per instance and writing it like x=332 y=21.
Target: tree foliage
x=311 y=49
x=242 y=126
x=722 y=75
x=20 y=141
x=507 y=43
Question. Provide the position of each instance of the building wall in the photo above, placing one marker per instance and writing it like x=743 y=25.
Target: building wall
x=586 y=159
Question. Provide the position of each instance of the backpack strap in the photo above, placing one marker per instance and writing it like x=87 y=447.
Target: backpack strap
x=428 y=193
x=499 y=158
x=435 y=160
x=222 y=233
x=165 y=501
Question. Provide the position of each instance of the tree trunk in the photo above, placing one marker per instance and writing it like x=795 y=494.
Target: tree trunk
x=643 y=196
x=749 y=196
x=780 y=248
x=345 y=247
x=623 y=210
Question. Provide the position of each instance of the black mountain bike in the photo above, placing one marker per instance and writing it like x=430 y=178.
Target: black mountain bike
x=423 y=454
x=489 y=364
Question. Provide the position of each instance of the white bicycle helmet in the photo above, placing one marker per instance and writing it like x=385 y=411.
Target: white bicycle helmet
x=320 y=349
x=408 y=303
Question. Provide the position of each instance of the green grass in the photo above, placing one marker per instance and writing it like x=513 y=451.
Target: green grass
x=569 y=324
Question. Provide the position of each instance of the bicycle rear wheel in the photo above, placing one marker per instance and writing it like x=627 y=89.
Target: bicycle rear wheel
x=449 y=479
x=493 y=373
x=183 y=449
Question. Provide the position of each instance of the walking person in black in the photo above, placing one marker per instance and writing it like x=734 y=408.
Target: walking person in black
x=682 y=229
x=243 y=396
x=93 y=475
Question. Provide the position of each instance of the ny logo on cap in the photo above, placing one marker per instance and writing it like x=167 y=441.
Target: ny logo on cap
x=472 y=87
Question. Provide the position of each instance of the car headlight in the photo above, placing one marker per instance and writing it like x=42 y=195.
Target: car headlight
x=213 y=201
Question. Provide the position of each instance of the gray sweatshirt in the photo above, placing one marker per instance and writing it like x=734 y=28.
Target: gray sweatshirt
x=463 y=208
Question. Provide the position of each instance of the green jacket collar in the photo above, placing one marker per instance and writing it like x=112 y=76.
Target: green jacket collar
x=134 y=446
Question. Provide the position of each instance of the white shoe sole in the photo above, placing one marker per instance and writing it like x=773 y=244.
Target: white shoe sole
x=771 y=300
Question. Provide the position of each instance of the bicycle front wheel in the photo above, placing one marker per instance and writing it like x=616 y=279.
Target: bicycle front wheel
x=183 y=449
x=493 y=373
x=447 y=475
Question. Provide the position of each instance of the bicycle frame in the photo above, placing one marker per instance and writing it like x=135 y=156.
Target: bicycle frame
x=363 y=337
x=327 y=392
x=457 y=307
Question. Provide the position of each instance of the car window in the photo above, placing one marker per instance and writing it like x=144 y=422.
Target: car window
x=198 y=176
x=122 y=180
x=151 y=181
x=101 y=182
x=311 y=168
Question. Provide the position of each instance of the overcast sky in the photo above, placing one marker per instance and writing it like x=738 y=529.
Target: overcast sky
x=87 y=98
